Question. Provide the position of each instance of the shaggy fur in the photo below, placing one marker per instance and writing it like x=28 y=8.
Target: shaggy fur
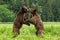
x=36 y=20
x=19 y=21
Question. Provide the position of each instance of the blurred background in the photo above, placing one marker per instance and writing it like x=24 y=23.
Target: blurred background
x=49 y=10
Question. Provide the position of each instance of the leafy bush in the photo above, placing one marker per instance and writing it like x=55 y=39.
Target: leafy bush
x=6 y=14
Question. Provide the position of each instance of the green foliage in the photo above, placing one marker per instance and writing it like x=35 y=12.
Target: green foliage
x=49 y=10
x=51 y=32
x=5 y=14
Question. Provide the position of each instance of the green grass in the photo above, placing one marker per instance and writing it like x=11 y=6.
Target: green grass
x=51 y=32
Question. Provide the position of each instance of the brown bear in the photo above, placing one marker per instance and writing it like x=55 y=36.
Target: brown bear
x=36 y=20
x=19 y=20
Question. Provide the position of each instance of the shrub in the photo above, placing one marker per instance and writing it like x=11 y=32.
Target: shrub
x=5 y=14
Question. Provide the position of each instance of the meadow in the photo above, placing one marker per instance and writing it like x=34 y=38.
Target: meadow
x=51 y=31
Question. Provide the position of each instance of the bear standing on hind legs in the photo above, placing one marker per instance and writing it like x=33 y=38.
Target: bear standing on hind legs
x=19 y=21
x=36 y=20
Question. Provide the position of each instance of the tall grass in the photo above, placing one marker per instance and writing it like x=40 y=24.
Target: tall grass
x=51 y=32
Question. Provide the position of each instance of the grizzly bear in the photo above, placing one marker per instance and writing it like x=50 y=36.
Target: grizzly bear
x=36 y=20
x=19 y=20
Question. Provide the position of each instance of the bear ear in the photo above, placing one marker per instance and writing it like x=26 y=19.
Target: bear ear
x=22 y=8
x=34 y=10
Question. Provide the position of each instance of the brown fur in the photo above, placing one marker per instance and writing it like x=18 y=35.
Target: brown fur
x=19 y=20
x=36 y=20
